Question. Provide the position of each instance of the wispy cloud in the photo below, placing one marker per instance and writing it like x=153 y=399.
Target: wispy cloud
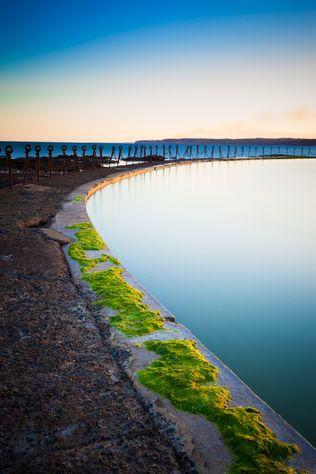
x=301 y=114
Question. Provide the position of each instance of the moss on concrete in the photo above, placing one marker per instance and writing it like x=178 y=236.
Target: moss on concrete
x=77 y=253
x=189 y=381
x=87 y=236
x=88 y=239
x=134 y=318
x=78 y=198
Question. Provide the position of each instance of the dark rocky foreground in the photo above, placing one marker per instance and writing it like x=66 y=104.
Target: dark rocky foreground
x=66 y=404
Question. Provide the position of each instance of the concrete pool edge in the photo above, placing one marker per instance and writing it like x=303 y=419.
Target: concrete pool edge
x=192 y=433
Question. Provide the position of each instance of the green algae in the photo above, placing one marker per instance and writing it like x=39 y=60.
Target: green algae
x=88 y=238
x=77 y=253
x=189 y=381
x=78 y=198
x=134 y=318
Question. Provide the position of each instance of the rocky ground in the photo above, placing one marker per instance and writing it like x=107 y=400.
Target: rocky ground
x=66 y=404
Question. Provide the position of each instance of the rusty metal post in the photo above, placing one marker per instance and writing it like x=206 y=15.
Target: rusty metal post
x=5 y=164
x=74 y=158
x=84 y=148
x=63 y=149
x=177 y=152
x=101 y=154
x=38 y=166
x=120 y=152
x=50 y=160
x=113 y=153
x=94 y=147
x=27 y=149
x=170 y=151
x=164 y=151
x=8 y=153
x=136 y=151
x=129 y=152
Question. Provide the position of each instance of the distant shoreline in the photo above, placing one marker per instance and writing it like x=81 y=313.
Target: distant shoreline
x=183 y=141
x=240 y=141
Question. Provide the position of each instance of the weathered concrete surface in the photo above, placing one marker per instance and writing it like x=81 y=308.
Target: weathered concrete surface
x=193 y=434
x=56 y=236
x=66 y=404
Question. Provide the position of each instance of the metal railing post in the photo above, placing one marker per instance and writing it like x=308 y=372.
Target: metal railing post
x=27 y=149
x=8 y=153
x=50 y=160
x=38 y=165
x=84 y=148
x=63 y=149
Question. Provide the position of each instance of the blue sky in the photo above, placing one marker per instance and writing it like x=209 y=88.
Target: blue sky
x=32 y=28
x=250 y=64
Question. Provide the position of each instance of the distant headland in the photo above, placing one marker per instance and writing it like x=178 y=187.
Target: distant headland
x=241 y=141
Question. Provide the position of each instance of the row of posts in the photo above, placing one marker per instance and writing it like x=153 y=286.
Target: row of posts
x=140 y=152
x=167 y=151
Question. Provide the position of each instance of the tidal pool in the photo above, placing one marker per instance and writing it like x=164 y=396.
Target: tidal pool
x=229 y=248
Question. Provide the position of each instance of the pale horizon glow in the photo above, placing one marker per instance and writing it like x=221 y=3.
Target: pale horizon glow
x=204 y=79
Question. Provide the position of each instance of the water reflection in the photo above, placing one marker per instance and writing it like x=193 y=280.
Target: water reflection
x=229 y=248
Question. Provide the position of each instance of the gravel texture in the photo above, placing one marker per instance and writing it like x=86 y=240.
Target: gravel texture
x=66 y=404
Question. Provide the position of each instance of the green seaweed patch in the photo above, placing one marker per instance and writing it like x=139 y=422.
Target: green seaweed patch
x=78 y=198
x=185 y=377
x=88 y=239
x=77 y=253
x=87 y=236
x=134 y=318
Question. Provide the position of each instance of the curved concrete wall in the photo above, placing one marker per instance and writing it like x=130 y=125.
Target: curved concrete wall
x=193 y=434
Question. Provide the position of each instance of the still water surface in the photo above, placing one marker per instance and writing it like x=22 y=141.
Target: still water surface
x=230 y=249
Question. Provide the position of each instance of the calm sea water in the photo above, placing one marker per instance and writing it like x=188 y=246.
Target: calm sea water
x=229 y=248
